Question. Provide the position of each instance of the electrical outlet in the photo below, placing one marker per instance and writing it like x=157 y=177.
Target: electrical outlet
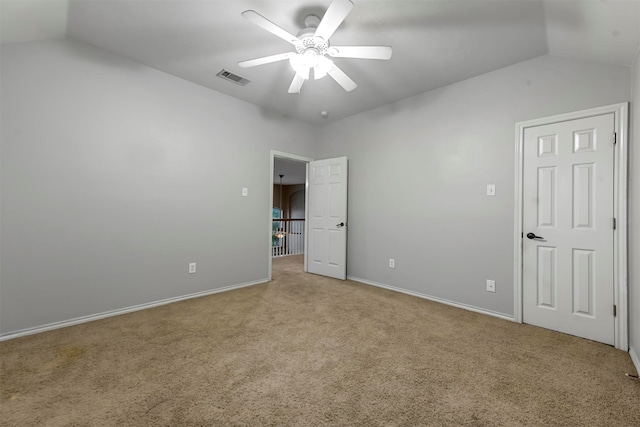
x=491 y=285
x=392 y=263
x=192 y=267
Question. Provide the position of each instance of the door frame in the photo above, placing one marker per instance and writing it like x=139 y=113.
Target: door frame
x=620 y=179
x=301 y=159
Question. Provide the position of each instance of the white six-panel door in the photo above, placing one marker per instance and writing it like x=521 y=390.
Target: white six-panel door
x=568 y=184
x=327 y=217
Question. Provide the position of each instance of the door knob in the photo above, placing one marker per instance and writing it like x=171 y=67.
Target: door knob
x=533 y=236
x=340 y=225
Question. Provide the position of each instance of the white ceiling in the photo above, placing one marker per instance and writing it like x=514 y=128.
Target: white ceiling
x=435 y=42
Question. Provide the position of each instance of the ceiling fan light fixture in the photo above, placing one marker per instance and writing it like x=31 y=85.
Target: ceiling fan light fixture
x=299 y=66
x=303 y=63
x=304 y=73
x=297 y=63
x=310 y=58
x=322 y=67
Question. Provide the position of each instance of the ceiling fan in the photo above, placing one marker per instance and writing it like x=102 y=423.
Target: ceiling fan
x=312 y=47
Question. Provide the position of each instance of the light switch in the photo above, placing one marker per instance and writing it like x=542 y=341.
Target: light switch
x=245 y=192
x=491 y=190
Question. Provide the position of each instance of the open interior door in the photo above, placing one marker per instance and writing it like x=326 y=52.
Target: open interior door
x=327 y=218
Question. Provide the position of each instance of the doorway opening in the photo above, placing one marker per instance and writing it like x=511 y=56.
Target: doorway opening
x=288 y=207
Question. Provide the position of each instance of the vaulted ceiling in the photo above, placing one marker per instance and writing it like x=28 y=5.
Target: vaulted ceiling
x=435 y=42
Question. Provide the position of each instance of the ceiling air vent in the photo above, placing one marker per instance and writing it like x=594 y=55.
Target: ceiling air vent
x=227 y=75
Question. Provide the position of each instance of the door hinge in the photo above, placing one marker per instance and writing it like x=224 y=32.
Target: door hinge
x=615 y=310
x=615 y=223
x=614 y=138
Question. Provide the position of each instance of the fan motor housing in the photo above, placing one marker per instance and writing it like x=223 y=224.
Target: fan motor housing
x=308 y=40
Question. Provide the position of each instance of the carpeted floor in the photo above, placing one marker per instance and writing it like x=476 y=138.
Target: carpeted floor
x=304 y=350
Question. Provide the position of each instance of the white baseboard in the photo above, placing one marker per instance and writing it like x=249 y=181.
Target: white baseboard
x=103 y=315
x=635 y=359
x=436 y=299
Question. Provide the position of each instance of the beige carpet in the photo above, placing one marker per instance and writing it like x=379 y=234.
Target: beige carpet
x=309 y=351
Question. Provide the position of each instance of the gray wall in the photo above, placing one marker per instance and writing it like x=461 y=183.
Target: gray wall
x=115 y=176
x=634 y=218
x=419 y=170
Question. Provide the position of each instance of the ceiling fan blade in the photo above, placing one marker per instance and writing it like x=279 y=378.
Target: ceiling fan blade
x=362 y=52
x=296 y=84
x=263 y=22
x=342 y=79
x=266 y=60
x=333 y=17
